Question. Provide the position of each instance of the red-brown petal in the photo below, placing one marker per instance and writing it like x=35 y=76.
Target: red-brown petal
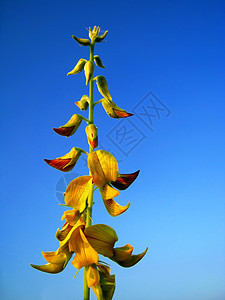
x=60 y=164
x=125 y=180
x=122 y=113
x=65 y=131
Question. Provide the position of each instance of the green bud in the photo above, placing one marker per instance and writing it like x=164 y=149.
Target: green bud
x=103 y=87
x=83 y=42
x=101 y=37
x=88 y=70
x=98 y=61
x=78 y=68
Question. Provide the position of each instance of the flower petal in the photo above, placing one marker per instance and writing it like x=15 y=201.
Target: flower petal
x=103 y=167
x=113 y=208
x=122 y=113
x=77 y=192
x=62 y=234
x=93 y=276
x=132 y=260
x=54 y=258
x=122 y=253
x=102 y=238
x=71 y=216
x=124 y=180
x=49 y=268
x=107 y=192
x=85 y=254
x=64 y=131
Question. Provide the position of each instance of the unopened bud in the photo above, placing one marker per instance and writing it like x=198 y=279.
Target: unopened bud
x=88 y=70
x=113 y=110
x=78 y=68
x=98 y=61
x=83 y=103
x=92 y=135
x=101 y=37
x=93 y=34
x=103 y=87
x=70 y=127
x=83 y=42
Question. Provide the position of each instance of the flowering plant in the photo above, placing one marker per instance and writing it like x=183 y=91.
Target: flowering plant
x=78 y=236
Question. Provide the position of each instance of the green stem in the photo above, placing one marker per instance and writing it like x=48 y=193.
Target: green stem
x=90 y=197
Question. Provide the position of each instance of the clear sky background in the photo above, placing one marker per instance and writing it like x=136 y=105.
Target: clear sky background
x=166 y=53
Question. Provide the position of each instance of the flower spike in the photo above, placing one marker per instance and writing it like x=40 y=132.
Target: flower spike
x=70 y=127
x=66 y=162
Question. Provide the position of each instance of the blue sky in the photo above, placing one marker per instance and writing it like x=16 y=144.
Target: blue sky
x=164 y=53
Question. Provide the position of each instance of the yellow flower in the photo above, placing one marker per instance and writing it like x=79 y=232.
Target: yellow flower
x=104 y=169
x=102 y=238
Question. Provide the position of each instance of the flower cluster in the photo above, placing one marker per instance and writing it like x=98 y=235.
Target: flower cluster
x=77 y=236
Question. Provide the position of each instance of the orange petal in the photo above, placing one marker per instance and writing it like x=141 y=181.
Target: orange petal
x=122 y=113
x=113 y=208
x=125 y=180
